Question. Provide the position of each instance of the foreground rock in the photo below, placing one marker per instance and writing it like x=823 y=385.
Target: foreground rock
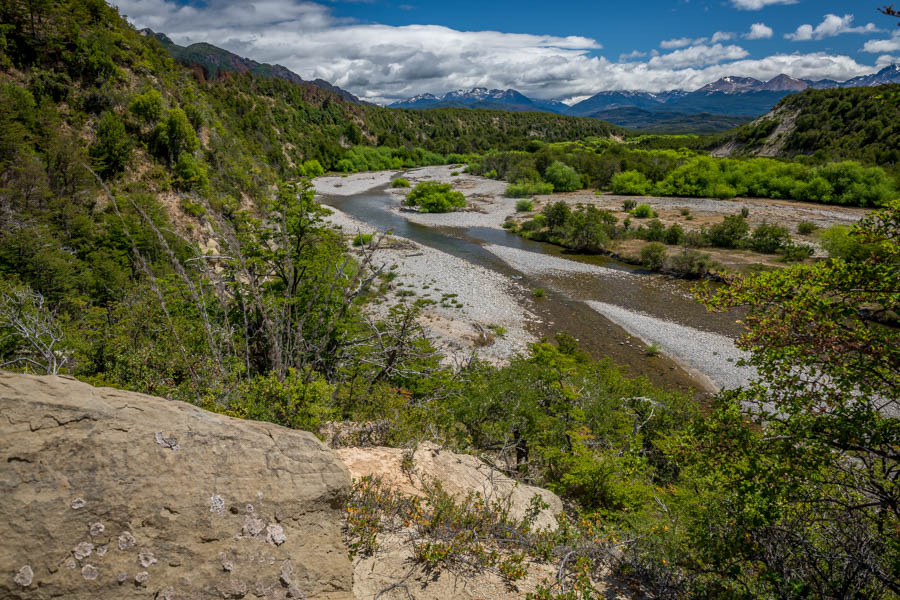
x=392 y=573
x=112 y=494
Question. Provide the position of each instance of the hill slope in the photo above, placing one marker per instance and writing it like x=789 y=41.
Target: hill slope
x=860 y=123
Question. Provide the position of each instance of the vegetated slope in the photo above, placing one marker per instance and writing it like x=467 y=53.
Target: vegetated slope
x=647 y=121
x=860 y=123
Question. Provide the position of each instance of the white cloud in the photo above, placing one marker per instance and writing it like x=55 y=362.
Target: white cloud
x=890 y=45
x=830 y=26
x=382 y=63
x=886 y=60
x=758 y=4
x=676 y=43
x=632 y=55
x=759 y=31
x=721 y=36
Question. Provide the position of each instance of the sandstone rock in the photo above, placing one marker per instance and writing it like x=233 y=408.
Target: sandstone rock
x=163 y=488
x=458 y=474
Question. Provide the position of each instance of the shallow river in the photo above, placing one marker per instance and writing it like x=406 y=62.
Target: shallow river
x=605 y=309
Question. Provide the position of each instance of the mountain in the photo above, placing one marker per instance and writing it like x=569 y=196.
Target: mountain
x=510 y=100
x=889 y=74
x=214 y=61
x=727 y=100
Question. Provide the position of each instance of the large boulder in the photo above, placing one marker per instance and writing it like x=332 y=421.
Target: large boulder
x=113 y=494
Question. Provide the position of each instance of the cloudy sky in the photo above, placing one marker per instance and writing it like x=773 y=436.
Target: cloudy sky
x=385 y=50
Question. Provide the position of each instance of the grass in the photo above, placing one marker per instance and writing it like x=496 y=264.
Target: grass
x=400 y=182
x=538 y=292
x=362 y=239
x=653 y=349
x=524 y=205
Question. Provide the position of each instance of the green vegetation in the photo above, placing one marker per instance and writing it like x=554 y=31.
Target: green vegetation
x=538 y=292
x=100 y=279
x=642 y=211
x=400 y=182
x=626 y=169
x=362 y=239
x=839 y=124
x=528 y=189
x=653 y=256
x=434 y=197
x=524 y=205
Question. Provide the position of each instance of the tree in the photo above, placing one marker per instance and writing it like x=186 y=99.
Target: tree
x=563 y=177
x=112 y=150
x=30 y=333
x=825 y=343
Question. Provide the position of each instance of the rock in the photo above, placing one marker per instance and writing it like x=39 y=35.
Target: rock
x=458 y=474
x=161 y=487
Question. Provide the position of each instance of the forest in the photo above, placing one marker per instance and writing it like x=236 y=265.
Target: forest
x=114 y=160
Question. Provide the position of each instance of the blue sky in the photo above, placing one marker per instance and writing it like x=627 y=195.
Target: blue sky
x=385 y=50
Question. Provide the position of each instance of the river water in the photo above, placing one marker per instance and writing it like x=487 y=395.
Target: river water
x=606 y=310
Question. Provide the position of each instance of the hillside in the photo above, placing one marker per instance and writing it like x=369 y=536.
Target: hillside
x=861 y=123
x=668 y=122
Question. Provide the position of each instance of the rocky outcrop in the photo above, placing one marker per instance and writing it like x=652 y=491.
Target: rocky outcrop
x=111 y=495
x=458 y=474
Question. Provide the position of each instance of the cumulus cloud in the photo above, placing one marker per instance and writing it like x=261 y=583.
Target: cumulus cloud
x=889 y=45
x=676 y=43
x=698 y=56
x=759 y=31
x=830 y=26
x=758 y=4
x=383 y=63
x=634 y=54
x=719 y=36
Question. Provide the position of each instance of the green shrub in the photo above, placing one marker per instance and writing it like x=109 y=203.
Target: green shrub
x=628 y=205
x=806 y=228
x=400 y=182
x=524 y=205
x=290 y=402
x=313 y=168
x=492 y=174
x=563 y=177
x=840 y=242
x=631 y=183
x=192 y=208
x=527 y=189
x=642 y=211
x=434 y=197
x=174 y=135
x=589 y=229
x=190 y=174
x=557 y=214
x=769 y=239
x=147 y=106
x=538 y=222
x=691 y=263
x=653 y=256
x=674 y=234
x=653 y=349
x=538 y=292
x=730 y=233
x=362 y=239
x=454 y=173
x=795 y=252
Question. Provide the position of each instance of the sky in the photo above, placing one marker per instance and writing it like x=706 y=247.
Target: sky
x=388 y=50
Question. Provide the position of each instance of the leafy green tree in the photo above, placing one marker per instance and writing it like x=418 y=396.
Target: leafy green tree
x=431 y=196
x=174 y=135
x=147 y=106
x=563 y=177
x=112 y=150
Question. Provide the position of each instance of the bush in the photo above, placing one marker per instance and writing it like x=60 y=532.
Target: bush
x=148 y=106
x=730 y=233
x=400 y=182
x=524 y=205
x=313 y=168
x=535 y=224
x=433 y=197
x=527 y=189
x=653 y=256
x=190 y=174
x=557 y=214
x=795 y=252
x=695 y=239
x=538 y=292
x=631 y=183
x=174 y=135
x=840 y=242
x=362 y=239
x=563 y=177
x=291 y=402
x=806 y=228
x=674 y=234
x=628 y=205
x=691 y=263
x=769 y=239
x=589 y=229
x=642 y=211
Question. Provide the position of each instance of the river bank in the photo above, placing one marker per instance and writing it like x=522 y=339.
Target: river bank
x=612 y=310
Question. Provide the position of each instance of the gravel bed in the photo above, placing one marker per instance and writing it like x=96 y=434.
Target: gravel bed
x=355 y=183
x=712 y=355
x=533 y=263
x=483 y=298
